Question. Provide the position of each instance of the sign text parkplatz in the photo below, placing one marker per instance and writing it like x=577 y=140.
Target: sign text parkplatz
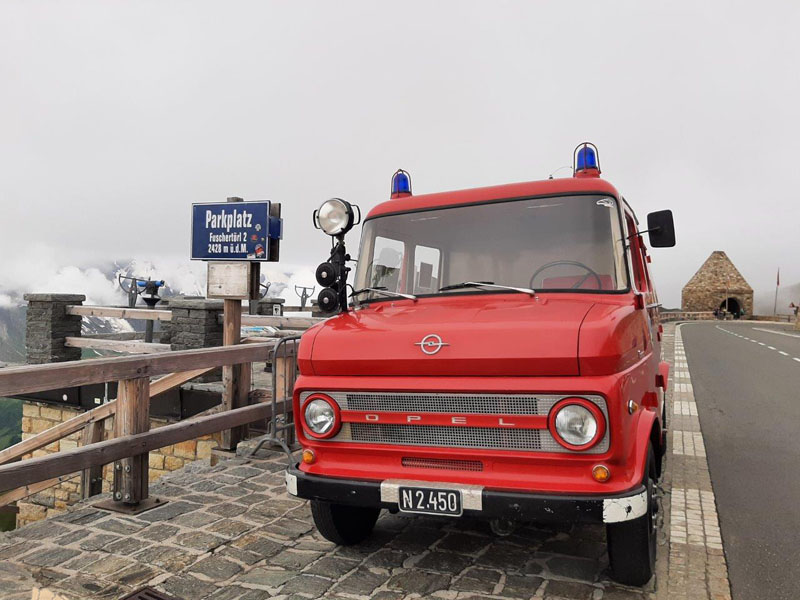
x=234 y=231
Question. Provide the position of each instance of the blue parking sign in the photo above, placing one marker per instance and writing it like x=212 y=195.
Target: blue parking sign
x=234 y=231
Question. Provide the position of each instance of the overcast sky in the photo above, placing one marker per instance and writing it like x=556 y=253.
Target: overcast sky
x=116 y=116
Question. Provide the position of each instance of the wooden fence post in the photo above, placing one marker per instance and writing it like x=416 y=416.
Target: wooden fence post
x=235 y=378
x=133 y=416
x=92 y=478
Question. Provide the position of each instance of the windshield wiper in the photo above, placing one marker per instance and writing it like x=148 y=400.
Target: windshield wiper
x=385 y=292
x=489 y=284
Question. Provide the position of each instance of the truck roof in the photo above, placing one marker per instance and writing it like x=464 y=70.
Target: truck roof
x=547 y=187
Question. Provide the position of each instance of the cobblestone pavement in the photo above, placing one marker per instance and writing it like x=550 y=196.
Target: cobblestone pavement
x=231 y=532
x=697 y=568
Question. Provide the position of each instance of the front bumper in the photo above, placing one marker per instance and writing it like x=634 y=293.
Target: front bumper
x=478 y=501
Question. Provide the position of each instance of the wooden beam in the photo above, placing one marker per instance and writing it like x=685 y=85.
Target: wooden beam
x=159 y=386
x=133 y=417
x=37 y=378
x=28 y=490
x=116 y=312
x=123 y=336
x=272 y=321
x=129 y=347
x=92 y=417
x=92 y=478
x=232 y=380
x=61 y=430
x=47 y=467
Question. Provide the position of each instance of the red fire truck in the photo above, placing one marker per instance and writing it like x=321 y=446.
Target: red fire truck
x=499 y=356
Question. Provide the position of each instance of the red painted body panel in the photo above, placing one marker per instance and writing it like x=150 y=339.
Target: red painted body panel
x=499 y=343
x=488 y=334
x=498 y=192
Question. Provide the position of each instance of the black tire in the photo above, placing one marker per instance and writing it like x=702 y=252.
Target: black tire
x=632 y=544
x=342 y=524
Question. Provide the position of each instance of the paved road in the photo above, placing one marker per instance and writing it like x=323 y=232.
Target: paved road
x=747 y=386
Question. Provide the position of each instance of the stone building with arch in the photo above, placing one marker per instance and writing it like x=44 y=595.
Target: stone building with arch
x=718 y=285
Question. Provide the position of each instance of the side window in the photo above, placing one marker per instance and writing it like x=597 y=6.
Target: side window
x=426 y=270
x=635 y=255
x=386 y=267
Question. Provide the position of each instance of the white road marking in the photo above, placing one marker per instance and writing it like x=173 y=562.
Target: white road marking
x=748 y=339
x=776 y=332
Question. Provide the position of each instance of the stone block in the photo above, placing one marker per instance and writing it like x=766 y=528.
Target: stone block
x=171 y=463
x=155 y=461
x=204 y=448
x=30 y=409
x=155 y=474
x=31 y=512
x=67 y=445
x=187 y=449
x=54 y=414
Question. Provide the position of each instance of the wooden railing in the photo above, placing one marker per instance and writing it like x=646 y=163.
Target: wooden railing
x=133 y=439
x=131 y=343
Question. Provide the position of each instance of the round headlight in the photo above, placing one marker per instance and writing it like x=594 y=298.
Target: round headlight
x=335 y=216
x=576 y=425
x=320 y=416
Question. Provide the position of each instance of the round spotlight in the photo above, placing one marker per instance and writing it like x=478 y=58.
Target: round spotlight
x=335 y=217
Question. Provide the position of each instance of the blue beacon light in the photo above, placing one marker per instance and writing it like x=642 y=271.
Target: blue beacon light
x=586 y=161
x=401 y=184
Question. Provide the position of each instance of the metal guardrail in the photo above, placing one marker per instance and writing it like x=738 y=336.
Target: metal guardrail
x=280 y=427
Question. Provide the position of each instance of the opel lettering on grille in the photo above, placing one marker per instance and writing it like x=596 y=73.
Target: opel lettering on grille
x=426 y=419
x=431 y=344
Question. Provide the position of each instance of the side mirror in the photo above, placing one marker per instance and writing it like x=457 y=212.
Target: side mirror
x=661 y=229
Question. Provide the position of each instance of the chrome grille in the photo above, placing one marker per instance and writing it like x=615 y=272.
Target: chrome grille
x=454 y=437
x=500 y=438
x=448 y=403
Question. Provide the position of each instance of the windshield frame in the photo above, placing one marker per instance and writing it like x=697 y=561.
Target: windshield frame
x=618 y=207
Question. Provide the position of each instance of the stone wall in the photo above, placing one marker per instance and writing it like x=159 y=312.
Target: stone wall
x=709 y=299
x=37 y=417
x=47 y=326
x=196 y=323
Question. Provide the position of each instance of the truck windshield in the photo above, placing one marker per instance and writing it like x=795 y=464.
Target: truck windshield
x=557 y=244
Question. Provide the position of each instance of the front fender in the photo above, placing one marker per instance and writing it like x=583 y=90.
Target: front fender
x=644 y=428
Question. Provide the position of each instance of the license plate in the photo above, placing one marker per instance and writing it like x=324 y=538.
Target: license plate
x=430 y=501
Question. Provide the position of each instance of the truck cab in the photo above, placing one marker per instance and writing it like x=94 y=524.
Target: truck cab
x=499 y=356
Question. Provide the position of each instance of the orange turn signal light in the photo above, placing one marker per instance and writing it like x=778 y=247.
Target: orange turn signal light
x=601 y=473
x=309 y=457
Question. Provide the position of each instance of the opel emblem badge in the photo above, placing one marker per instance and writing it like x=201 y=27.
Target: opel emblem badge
x=431 y=344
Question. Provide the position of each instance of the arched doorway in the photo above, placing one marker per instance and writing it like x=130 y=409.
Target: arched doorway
x=732 y=306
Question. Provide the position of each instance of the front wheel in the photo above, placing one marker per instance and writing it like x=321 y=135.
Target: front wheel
x=342 y=524
x=632 y=544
